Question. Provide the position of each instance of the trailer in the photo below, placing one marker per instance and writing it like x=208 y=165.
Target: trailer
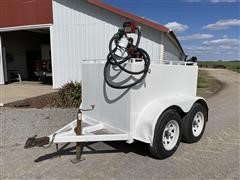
x=161 y=109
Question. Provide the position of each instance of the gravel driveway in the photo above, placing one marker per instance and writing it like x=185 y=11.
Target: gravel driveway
x=215 y=156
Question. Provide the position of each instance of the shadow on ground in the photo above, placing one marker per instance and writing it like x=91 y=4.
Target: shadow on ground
x=116 y=147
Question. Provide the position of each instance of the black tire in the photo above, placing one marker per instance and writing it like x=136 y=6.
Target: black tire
x=157 y=149
x=188 y=134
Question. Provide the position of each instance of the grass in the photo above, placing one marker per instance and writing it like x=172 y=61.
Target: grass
x=231 y=65
x=203 y=81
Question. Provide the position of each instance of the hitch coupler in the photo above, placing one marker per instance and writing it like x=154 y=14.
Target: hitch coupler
x=34 y=141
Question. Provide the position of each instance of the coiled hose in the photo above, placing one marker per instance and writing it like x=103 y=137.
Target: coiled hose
x=133 y=52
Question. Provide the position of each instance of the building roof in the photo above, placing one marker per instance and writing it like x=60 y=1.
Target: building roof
x=138 y=19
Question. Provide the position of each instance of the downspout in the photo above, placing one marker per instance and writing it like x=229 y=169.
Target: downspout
x=161 y=47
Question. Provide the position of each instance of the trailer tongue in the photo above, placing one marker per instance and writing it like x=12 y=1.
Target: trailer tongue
x=133 y=99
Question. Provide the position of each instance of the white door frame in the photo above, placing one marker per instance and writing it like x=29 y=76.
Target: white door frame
x=4 y=64
x=2 y=81
x=17 y=28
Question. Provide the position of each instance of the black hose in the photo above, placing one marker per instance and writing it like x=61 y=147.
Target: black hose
x=115 y=60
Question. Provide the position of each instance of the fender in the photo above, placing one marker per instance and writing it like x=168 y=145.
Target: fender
x=148 y=118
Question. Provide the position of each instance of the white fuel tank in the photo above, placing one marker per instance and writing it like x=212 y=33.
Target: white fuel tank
x=120 y=108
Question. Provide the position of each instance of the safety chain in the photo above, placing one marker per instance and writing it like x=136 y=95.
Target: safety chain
x=50 y=144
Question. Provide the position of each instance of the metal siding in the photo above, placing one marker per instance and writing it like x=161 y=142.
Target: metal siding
x=170 y=53
x=1 y=64
x=82 y=31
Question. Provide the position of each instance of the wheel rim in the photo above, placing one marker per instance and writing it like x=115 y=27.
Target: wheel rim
x=197 y=124
x=170 y=135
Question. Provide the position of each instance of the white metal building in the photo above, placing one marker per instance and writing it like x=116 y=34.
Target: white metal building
x=81 y=29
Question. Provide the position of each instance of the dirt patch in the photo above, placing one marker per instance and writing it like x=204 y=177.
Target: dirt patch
x=208 y=85
x=68 y=96
x=43 y=101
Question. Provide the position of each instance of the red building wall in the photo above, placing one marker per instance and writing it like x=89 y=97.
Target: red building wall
x=25 y=12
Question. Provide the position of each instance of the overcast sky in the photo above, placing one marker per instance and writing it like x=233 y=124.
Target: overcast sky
x=208 y=29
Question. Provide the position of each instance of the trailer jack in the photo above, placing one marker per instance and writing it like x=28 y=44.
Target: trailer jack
x=79 y=145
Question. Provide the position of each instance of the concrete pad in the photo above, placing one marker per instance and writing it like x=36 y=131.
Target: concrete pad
x=22 y=90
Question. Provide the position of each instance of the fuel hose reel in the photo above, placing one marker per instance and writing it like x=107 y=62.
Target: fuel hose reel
x=121 y=50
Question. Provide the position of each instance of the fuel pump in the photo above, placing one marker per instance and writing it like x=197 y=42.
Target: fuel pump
x=122 y=49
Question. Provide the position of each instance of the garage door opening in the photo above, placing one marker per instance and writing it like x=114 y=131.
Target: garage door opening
x=27 y=56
